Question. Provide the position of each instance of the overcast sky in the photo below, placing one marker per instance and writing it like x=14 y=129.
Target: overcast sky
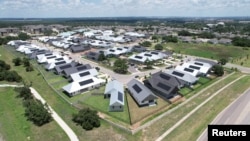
x=118 y=8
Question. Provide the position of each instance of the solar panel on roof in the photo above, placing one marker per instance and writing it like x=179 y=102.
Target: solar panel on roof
x=194 y=67
x=120 y=96
x=178 y=73
x=137 y=88
x=59 y=63
x=156 y=53
x=48 y=54
x=119 y=49
x=51 y=57
x=111 y=50
x=149 y=55
x=92 y=53
x=196 y=63
x=84 y=74
x=65 y=67
x=188 y=70
x=85 y=82
x=164 y=76
x=138 y=57
x=125 y=47
x=163 y=86
x=59 y=59
x=81 y=68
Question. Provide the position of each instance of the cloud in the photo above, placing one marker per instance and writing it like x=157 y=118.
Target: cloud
x=102 y=8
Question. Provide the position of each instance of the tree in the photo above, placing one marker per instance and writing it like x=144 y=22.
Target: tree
x=155 y=38
x=26 y=62
x=170 y=39
x=101 y=57
x=184 y=33
x=48 y=32
x=158 y=47
x=87 y=118
x=223 y=61
x=25 y=93
x=218 y=70
x=146 y=44
x=17 y=61
x=12 y=76
x=29 y=68
x=120 y=66
x=23 y=36
x=37 y=112
x=149 y=64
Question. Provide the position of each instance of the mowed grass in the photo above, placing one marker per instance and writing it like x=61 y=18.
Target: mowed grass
x=235 y=55
x=64 y=109
x=158 y=128
x=138 y=114
x=208 y=112
x=14 y=125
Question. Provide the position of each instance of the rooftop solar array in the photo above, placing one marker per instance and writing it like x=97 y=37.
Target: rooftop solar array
x=156 y=53
x=85 y=82
x=111 y=50
x=194 y=67
x=48 y=54
x=188 y=70
x=81 y=68
x=92 y=53
x=125 y=47
x=149 y=55
x=119 y=48
x=137 y=88
x=51 y=57
x=178 y=73
x=84 y=74
x=65 y=66
x=196 y=63
x=163 y=86
x=120 y=96
x=163 y=76
x=138 y=57
x=59 y=59
x=59 y=63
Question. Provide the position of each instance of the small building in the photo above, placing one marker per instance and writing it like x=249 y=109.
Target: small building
x=149 y=55
x=139 y=49
x=202 y=67
x=141 y=94
x=79 y=48
x=38 y=52
x=191 y=71
x=115 y=91
x=93 y=55
x=68 y=71
x=83 y=74
x=78 y=87
x=164 y=84
x=52 y=65
x=59 y=69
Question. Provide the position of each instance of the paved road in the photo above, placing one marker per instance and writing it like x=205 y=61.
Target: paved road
x=57 y=118
x=194 y=110
x=237 y=112
x=8 y=85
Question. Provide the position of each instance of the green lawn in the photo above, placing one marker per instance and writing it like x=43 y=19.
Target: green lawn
x=208 y=112
x=184 y=91
x=203 y=80
x=14 y=125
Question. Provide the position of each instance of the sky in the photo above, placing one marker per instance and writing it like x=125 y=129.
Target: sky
x=123 y=8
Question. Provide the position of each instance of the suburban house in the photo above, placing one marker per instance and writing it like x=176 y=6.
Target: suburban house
x=117 y=51
x=182 y=68
x=8 y=31
x=83 y=74
x=212 y=63
x=187 y=78
x=139 y=49
x=150 y=55
x=35 y=29
x=115 y=91
x=165 y=85
x=202 y=67
x=52 y=65
x=93 y=55
x=37 y=52
x=59 y=69
x=80 y=86
x=68 y=71
x=49 y=59
x=141 y=94
x=79 y=48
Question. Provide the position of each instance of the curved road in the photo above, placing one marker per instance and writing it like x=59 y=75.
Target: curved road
x=237 y=112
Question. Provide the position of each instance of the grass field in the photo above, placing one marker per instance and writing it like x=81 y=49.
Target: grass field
x=208 y=112
x=14 y=125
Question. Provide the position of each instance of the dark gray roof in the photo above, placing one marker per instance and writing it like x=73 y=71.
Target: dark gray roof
x=140 y=92
x=165 y=83
x=93 y=55
x=67 y=72
x=212 y=63
x=139 y=48
x=62 y=67
x=79 y=48
x=37 y=52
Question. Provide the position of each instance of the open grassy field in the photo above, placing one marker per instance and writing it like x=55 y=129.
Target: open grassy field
x=158 y=128
x=14 y=125
x=208 y=112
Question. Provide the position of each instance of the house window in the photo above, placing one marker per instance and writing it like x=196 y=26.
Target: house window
x=113 y=107
x=120 y=107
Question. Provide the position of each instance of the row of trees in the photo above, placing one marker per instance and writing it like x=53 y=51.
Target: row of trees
x=25 y=61
x=21 y=36
x=7 y=74
x=243 y=42
x=207 y=35
x=35 y=111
